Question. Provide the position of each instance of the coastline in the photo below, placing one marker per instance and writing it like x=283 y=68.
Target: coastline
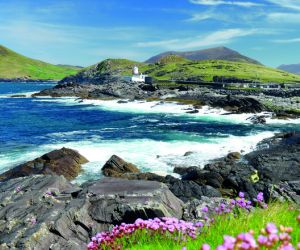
x=88 y=204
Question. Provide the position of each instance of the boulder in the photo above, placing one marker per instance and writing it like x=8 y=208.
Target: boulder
x=65 y=161
x=115 y=201
x=257 y=119
x=190 y=190
x=116 y=167
x=234 y=156
x=279 y=158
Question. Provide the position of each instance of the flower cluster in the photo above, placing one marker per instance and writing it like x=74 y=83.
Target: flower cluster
x=178 y=229
x=240 y=203
x=270 y=238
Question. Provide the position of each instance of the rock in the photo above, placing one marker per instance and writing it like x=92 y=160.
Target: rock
x=148 y=87
x=188 y=153
x=116 y=167
x=117 y=200
x=203 y=177
x=234 y=156
x=189 y=190
x=122 y=101
x=279 y=159
x=147 y=176
x=195 y=111
x=284 y=191
x=193 y=210
x=65 y=161
x=31 y=219
x=257 y=119
x=18 y=96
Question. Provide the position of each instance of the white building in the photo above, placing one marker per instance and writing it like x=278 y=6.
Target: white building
x=136 y=77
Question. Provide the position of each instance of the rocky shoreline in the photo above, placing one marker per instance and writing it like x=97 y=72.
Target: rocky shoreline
x=284 y=104
x=42 y=209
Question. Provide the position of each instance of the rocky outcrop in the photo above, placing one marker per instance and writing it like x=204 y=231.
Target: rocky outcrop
x=66 y=162
x=47 y=212
x=280 y=161
x=116 y=167
x=274 y=169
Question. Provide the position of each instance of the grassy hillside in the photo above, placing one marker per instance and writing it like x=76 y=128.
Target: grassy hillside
x=206 y=70
x=14 y=65
x=174 y=67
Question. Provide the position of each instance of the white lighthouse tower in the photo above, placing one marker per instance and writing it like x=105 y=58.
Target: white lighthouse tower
x=135 y=70
x=136 y=78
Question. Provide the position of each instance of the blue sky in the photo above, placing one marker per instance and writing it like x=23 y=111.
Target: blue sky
x=83 y=32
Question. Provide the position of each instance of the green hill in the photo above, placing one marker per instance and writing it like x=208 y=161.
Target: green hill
x=207 y=70
x=14 y=65
x=173 y=67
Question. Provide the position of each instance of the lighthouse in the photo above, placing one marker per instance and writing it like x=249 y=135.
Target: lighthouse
x=139 y=77
x=135 y=70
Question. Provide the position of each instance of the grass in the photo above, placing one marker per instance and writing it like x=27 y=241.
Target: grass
x=277 y=213
x=176 y=68
x=14 y=65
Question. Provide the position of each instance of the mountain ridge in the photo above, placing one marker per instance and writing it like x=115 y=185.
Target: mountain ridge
x=217 y=53
x=292 y=68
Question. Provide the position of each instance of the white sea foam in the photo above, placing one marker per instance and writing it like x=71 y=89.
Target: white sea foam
x=25 y=94
x=150 y=155
x=155 y=107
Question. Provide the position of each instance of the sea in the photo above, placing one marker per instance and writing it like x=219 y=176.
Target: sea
x=153 y=135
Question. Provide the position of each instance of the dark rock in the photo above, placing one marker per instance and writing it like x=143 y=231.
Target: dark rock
x=279 y=160
x=31 y=219
x=188 y=153
x=66 y=162
x=116 y=167
x=234 y=156
x=122 y=101
x=189 y=190
x=148 y=87
x=203 y=177
x=195 y=111
x=257 y=119
x=117 y=200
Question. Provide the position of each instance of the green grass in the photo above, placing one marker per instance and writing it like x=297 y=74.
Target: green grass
x=206 y=70
x=177 y=68
x=279 y=214
x=14 y=65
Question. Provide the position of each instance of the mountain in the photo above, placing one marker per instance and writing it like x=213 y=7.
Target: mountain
x=219 y=53
x=14 y=65
x=292 y=68
x=173 y=67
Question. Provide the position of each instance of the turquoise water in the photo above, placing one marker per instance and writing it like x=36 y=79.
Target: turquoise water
x=153 y=136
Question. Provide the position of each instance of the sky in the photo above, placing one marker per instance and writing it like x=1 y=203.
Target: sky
x=84 y=32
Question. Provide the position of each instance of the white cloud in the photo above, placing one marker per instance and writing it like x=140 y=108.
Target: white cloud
x=226 y=2
x=216 y=38
x=290 y=4
x=292 y=40
x=280 y=17
x=198 y=17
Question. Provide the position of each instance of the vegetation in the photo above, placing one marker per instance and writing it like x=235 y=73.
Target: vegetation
x=265 y=227
x=14 y=65
x=176 y=68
